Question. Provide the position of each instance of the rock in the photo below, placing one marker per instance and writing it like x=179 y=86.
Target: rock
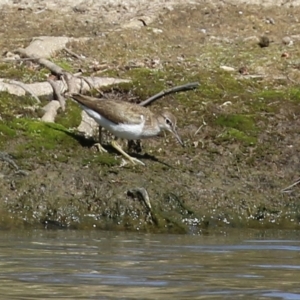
x=285 y=55
x=287 y=41
x=270 y=21
x=264 y=41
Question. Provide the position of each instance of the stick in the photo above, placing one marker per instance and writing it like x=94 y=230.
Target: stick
x=288 y=188
x=73 y=53
x=180 y=88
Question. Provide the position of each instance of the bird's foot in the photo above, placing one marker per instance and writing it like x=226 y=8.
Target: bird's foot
x=133 y=160
x=99 y=148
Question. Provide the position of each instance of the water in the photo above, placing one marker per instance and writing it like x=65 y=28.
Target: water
x=111 y=265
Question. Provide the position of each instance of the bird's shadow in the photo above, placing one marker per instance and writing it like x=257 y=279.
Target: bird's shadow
x=88 y=142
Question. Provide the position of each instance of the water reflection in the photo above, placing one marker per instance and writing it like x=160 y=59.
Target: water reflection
x=110 y=265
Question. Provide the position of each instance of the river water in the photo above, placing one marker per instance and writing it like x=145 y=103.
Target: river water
x=67 y=264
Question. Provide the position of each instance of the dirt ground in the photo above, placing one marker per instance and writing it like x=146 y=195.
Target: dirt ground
x=240 y=127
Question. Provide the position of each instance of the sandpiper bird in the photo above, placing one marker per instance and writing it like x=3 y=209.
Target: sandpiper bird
x=127 y=120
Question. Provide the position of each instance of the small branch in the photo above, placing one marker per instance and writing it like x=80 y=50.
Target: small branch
x=181 y=88
x=203 y=124
x=40 y=11
x=73 y=53
x=288 y=188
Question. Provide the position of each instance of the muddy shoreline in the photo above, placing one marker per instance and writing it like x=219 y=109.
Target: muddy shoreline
x=240 y=128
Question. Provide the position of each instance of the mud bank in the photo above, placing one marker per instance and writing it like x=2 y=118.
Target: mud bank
x=241 y=127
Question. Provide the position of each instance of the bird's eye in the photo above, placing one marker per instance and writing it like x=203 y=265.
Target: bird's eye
x=168 y=122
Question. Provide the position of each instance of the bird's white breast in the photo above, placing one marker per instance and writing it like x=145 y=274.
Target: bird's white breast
x=124 y=131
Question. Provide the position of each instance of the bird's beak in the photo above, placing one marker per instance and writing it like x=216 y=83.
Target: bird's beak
x=178 y=137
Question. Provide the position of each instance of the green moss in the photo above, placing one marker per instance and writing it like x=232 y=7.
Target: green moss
x=22 y=72
x=232 y=133
x=238 y=127
x=294 y=94
x=260 y=105
x=7 y=130
x=270 y=94
x=34 y=128
x=140 y=82
x=11 y=72
x=71 y=117
x=41 y=136
x=267 y=100
x=111 y=73
x=270 y=100
x=106 y=159
x=12 y=106
x=142 y=77
x=64 y=64
x=14 y=72
x=239 y=122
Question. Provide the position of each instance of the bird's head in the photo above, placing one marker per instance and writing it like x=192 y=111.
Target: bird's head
x=168 y=122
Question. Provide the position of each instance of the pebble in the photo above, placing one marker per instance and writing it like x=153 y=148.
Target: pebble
x=287 y=41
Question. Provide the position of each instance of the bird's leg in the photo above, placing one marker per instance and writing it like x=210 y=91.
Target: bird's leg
x=133 y=160
x=98 y=145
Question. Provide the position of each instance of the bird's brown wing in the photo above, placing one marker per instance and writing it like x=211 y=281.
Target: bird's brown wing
x=114 y=110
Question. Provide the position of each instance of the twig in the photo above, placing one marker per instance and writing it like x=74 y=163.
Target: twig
x=181 y=88
x=287 y=189
x=73 y=53
x=203 y=124
x=40 y=11
x=199 y=129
